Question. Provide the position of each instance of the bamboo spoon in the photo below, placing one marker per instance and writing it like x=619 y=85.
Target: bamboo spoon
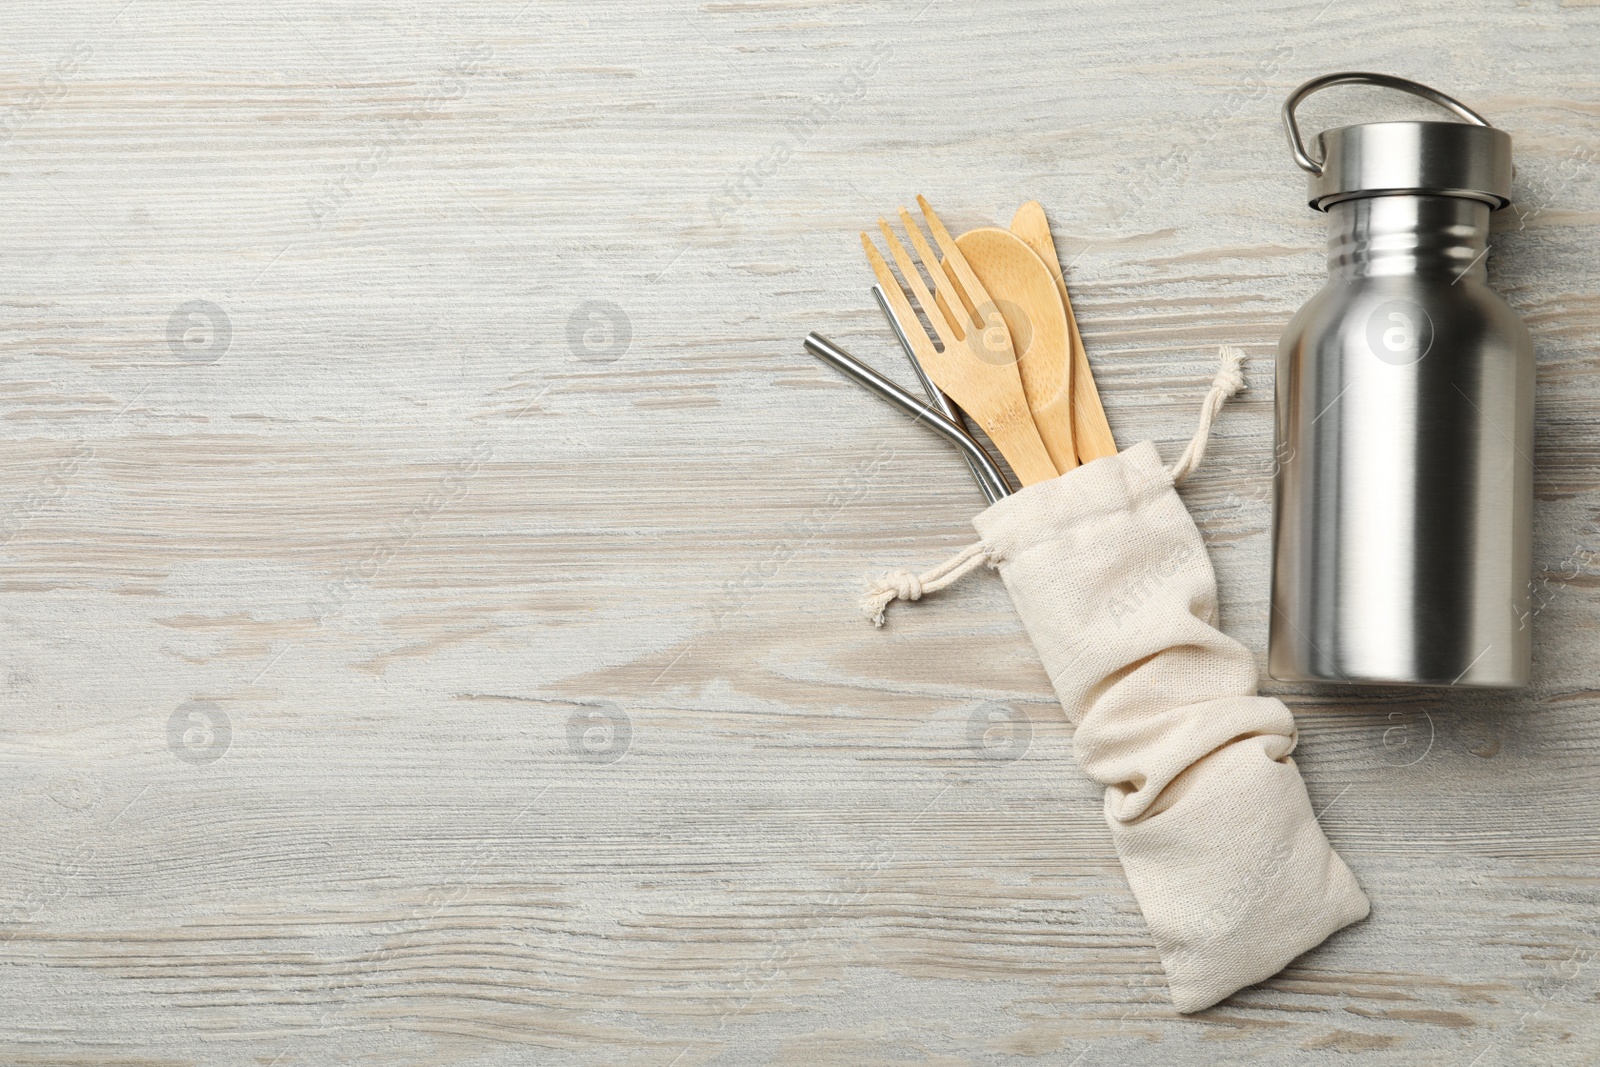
x=1026 y=296
x=976 y=365
x=1091 y=431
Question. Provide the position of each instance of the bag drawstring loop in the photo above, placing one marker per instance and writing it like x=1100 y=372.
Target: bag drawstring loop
x=1229 y=380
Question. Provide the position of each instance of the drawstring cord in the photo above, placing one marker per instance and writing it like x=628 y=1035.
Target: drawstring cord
x=906 y=585
x=1229 y=380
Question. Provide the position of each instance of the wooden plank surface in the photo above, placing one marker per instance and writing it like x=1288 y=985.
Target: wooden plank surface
x=429 y=559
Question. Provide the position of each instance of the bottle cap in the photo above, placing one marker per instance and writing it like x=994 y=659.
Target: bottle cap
x=1469 y=159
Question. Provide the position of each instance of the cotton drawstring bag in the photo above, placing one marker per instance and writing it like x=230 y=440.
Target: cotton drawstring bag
x=1207 y=810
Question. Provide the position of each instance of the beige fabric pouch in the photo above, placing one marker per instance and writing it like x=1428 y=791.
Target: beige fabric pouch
x=1206 y=808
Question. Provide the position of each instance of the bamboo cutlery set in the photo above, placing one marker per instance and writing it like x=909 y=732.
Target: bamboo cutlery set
x=1112 y=584
x=1007 y=353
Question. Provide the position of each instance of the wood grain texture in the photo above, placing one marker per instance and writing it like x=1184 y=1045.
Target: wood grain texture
x=429 y=558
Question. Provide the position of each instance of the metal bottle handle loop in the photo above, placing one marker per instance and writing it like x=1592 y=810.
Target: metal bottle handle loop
x=1387 y=81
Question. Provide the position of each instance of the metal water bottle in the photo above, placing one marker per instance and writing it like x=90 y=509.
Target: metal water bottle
x=1404 y=477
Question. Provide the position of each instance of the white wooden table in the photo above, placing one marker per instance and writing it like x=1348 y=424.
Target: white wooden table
x=429 y=560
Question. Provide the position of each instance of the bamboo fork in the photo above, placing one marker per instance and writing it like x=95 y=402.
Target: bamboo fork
x=977 y=363
x=937 y=399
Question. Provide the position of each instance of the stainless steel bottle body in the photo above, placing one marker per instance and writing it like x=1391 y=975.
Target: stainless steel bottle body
x=1402 y=525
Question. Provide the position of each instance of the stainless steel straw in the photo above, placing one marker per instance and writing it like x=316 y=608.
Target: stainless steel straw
x=936 y=395
x=837 y=357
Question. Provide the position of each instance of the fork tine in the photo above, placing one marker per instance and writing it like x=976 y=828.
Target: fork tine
x=950 y=336
x=969 y=281
x=949 y=272
x=952 y=301
x=890 y=287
